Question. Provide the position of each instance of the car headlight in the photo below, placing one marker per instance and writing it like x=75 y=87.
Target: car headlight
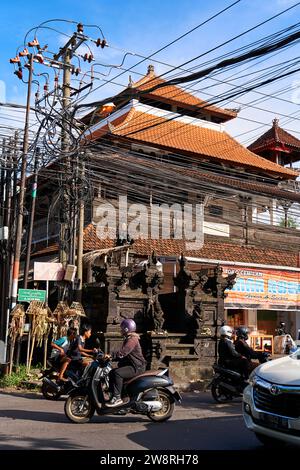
x=253 y=378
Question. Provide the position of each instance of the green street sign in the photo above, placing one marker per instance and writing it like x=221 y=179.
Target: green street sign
x=27 y=295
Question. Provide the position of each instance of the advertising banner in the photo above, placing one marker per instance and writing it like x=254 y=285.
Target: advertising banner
x=48 y=271
x=263 y=289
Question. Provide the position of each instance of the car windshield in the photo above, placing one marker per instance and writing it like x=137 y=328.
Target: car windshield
x=295 y=354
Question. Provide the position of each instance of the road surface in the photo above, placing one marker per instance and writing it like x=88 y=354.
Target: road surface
x=27 y=421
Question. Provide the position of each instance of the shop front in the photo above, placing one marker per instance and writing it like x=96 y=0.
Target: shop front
x=262 y=297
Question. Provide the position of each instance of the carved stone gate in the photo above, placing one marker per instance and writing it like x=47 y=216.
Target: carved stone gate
x=178 y=330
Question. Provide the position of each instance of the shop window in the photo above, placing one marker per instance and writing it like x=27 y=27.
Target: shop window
x=236 y=318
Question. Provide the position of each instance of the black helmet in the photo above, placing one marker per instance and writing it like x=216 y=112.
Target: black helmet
x=242 y=332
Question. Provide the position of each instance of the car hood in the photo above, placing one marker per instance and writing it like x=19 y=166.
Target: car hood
x=283 y=371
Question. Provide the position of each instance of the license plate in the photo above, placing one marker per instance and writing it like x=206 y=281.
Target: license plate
x=274 y=421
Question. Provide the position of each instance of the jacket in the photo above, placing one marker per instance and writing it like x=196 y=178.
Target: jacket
x=130 y=353
x=226 y=351
x=245 y=350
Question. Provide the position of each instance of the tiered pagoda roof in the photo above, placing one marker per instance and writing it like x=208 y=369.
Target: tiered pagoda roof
x=277 y=140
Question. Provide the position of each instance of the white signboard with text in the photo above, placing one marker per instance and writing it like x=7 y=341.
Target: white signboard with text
x=48 y=271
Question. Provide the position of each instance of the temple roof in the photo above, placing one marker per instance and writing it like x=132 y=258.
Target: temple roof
x=274 y=136
x=143 y=124
x=171 y=247
x=176 y=96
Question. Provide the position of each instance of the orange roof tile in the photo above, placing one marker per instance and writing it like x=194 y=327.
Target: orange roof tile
x=211 y=250
x=175 y=135
x=177 y=96
x=214 y=250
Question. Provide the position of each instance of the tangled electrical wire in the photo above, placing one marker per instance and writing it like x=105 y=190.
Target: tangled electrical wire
x=60 y=124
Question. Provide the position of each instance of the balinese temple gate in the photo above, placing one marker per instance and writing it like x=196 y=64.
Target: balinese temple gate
x=178 y=330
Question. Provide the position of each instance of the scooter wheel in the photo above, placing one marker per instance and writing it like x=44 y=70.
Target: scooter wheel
x=49 y=393
x=219 y=394
x=79 y=409
x=167 y=408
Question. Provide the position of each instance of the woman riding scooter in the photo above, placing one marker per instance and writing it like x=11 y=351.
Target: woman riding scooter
x=130 y=359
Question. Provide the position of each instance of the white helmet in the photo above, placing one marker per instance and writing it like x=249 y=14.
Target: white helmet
x=226 y=331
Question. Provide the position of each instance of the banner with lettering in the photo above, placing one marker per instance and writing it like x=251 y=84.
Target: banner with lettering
x=264 y=289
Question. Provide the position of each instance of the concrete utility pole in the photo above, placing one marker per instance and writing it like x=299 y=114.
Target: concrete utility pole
x=63 y=254
x=31 y=220
x=19 y=230
x=68 y=210
x=80 y=240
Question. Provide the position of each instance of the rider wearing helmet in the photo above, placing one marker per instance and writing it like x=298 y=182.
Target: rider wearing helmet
x=243 y=347
x=228 y=356
x=130 y=359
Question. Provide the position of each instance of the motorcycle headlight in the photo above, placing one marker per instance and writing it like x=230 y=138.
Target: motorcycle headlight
x=253 y=378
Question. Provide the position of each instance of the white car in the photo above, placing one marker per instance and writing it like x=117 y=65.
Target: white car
x=271 y=401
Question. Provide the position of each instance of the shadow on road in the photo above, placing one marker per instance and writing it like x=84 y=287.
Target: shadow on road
x=22 y=394
x=218 y=433
x=43 y=416
x=30 y=443
x=205 y=401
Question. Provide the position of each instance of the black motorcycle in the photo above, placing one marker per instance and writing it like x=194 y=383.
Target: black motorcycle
x=51 y=388
x=228 y=384
x=151 y=394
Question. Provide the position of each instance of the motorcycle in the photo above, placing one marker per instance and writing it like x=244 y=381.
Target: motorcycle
x=52 y=390
x=228 y=384
x=150 y=393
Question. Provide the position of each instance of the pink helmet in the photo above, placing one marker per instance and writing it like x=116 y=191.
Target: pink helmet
x=128 y=325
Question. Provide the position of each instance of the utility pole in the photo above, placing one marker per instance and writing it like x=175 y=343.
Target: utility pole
x=19 y=230
x=80 y=238
x=68 y=224
x=3 y=252
x=31 y=220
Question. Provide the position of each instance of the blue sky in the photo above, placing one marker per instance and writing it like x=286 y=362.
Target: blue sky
x=145 y=26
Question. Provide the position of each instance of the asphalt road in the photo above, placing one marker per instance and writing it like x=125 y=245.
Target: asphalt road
x=27 y=421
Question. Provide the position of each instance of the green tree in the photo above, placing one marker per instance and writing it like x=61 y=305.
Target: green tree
x=291 y=222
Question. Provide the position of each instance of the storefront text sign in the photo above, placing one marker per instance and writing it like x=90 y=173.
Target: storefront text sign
x=265 y=289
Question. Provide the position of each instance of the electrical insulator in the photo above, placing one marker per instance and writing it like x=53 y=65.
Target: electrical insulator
x=90 y=58
x=39 y=58
x=24 y=53
x=15 y=60
x=33 y=43
x=85 y=57
x=80 y=28
x=19 y=73
x=101 y=42
x=77 y=71
x=46 y=88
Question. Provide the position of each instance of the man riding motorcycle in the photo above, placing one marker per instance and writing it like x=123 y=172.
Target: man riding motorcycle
x=229 y=357
x=242 y=347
